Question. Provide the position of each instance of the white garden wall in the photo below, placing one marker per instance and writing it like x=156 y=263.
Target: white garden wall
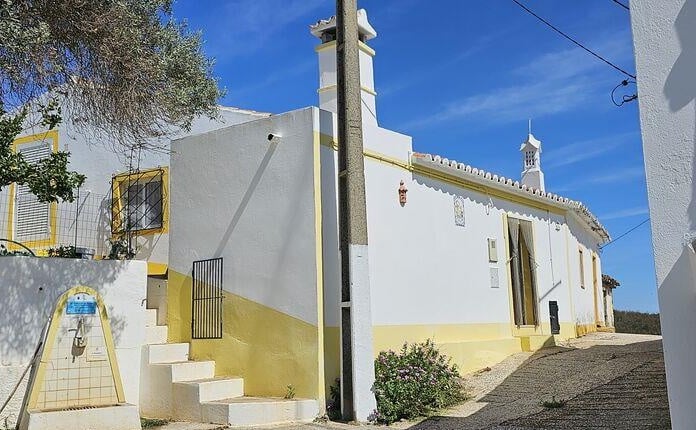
x=30 y=288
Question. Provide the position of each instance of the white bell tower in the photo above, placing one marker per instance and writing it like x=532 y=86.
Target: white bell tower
x=532 y=176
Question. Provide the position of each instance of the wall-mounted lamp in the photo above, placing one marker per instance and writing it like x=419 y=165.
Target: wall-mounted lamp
x=402 y=194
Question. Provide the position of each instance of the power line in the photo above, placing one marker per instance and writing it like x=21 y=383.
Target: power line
x=620 y=4
x=573 y=40
x=629 y=231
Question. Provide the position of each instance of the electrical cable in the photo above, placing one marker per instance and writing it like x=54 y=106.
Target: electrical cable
x=573 y=40
x=624 y=234
x=621 y=4
x=625 y=98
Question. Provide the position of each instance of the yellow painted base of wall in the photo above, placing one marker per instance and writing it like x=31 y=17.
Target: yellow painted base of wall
x=471 y=346
x=583 y=329
x=268 y=348
x=332 y=356
x=470 y=356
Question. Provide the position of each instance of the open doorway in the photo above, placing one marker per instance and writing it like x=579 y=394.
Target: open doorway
x=522 y=271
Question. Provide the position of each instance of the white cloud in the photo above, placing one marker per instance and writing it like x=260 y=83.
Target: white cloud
x=585 y=150
x=550 y=83
x=616 y=176
x=625 y=213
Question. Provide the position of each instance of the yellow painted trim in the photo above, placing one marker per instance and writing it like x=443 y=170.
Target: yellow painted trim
x=318 y=235
x=522 y=330
x=595 y=289
x=332 y=44
x=116 y=183
x=51 y=338
x=53 y=208
x=156 y=269
x=327 y=140
x=334 y=87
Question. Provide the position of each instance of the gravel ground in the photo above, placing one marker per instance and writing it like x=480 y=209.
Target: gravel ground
x=604 y=380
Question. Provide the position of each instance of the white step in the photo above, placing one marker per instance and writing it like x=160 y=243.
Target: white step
x=188 y=396
x=255 y=411
x=190 y=370
x=156 y=334
x=156 y=399
x=150 y=317
x=168 y=353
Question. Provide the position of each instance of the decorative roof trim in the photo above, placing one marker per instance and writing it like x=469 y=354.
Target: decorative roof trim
x=364 y=26
x=502 y=183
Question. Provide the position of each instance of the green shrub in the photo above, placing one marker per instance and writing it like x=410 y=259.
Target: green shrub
x=414 y=382
x=333 y=406
x=636 y=322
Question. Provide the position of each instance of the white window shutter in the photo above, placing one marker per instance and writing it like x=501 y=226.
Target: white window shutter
x=32 y=217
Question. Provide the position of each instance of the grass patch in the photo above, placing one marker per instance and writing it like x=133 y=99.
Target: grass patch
x=553 y=403
x=148 y=423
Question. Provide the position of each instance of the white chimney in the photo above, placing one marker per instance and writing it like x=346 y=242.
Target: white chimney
x=325 y=30
x=532 y=176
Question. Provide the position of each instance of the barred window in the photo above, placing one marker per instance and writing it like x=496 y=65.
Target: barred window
x=139 y=201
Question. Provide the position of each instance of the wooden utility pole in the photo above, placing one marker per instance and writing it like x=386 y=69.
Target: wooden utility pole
x=357 y=361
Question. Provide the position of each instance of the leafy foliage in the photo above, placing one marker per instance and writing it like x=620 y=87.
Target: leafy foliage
x=290 y=392
x=120 y=250
x=4 y=252
x=636 y=322
x=49 y=179
x=333 y=406
x=68 y=251
x=126 y=68
x=414 y=382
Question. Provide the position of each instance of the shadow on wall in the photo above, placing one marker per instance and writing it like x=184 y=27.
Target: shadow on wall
x=29 y=294
x=680 y=87
x=626 y=390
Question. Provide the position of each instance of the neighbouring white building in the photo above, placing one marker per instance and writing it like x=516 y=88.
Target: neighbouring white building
x=242 y=240
x=664 y=35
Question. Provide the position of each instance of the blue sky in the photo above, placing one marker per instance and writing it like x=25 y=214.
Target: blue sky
x=463 y=77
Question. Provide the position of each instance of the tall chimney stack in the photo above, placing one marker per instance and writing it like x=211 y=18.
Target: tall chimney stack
x=325 y=30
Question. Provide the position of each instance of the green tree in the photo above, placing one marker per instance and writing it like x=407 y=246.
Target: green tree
x=124 y=70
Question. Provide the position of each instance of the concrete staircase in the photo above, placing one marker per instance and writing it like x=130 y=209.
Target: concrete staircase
x=173 y=387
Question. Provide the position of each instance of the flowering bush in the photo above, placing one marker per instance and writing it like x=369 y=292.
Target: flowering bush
x=414 y=382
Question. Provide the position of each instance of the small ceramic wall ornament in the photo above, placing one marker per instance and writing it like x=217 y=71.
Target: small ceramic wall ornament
x=402 y=193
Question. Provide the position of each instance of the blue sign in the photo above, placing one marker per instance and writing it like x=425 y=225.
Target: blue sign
x=81 y=307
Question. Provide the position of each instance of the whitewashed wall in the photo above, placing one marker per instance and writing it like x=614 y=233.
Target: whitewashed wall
x=252 y=202
x=665 y=45
x=30 y=288
x=97 y=160
x=424 y=269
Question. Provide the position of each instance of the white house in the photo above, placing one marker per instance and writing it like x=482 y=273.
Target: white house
x=664 y=35
x=242 y=240
x=484 y=265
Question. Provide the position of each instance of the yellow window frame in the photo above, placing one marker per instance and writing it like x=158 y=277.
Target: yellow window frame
x=53 y=209
x=117 y=184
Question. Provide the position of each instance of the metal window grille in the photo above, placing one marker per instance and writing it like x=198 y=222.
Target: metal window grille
x=206 y=299
x=138 y=204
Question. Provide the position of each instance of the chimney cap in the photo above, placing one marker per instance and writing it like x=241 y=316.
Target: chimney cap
x=530 y=141
x=365 y=30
